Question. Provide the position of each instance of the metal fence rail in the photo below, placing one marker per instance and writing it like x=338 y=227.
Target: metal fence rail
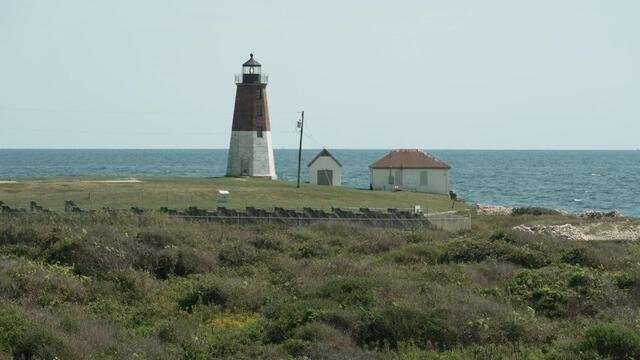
x=392 y=217
x=302 y=220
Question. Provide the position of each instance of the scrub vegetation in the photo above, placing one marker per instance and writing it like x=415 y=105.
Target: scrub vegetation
x=108 y=285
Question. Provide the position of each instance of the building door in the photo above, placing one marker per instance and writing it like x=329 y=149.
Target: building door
x=244 y=167
x=325 y=177
x=399 y=177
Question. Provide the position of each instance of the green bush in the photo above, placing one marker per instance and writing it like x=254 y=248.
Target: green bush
x=536 y=211
x=477 y=251
x=612 y=341
x=204 y=295
x=131 y=285
x=526 y=257
x=561 y=291
x=24 y=339
x=237 y=254
x=12 y=236
x=392 y=325
x=280 y=319
x=502 y=235
x=420 y=253
x=473 y=251
x=626 y=280
x=598 y=255
x=13 y=325
x=40 y=283
x=348 y=291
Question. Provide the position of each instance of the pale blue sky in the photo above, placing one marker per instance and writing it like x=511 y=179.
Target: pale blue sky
x=369 y=74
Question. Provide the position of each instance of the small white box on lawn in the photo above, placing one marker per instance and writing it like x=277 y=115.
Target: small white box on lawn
x=223 y=196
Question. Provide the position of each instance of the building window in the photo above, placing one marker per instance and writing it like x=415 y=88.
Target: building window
x=258 y=94
x=424 y=178
x=391 y=180
x=259 y=110
x=260 y=131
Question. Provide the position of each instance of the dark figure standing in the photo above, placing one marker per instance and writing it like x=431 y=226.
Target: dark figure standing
x=453 y=196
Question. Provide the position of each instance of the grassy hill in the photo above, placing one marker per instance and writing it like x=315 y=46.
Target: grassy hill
x=128 y=286
x=153 y=192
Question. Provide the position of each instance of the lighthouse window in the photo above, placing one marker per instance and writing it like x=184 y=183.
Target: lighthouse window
x=258 y=94
x=260 y=131
x=259 y=110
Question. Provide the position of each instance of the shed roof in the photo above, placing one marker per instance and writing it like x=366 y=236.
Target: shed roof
x=409 y=159
x=324 y=152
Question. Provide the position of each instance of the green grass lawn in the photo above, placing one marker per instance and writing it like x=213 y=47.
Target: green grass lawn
x=154 y=192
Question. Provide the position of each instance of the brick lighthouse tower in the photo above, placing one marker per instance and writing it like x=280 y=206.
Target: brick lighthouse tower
x=250 y=149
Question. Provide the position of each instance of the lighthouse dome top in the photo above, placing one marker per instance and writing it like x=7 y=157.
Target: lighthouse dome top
x=251 y=61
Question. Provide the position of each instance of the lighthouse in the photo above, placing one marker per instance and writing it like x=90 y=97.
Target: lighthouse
x=250 y=149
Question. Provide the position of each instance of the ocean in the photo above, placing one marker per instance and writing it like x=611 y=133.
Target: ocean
x=568 y=180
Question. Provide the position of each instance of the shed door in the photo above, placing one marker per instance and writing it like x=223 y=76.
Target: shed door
x=399 y=177
x=244 y=167
x=325 y=177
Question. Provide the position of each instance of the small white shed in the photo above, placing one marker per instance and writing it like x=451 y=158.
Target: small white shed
x=412 y=170
x=325 y=169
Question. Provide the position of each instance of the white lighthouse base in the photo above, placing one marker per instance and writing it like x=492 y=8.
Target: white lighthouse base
x=250 y=155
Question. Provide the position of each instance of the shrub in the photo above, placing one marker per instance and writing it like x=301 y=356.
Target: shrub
x=156 y=240
x=472 y=251
x=392 y=325
x=561 y=291
x=280 y=319
x=536 y=211
x=237 y=254
x=265 y=242
x=309 y=249
x=37 y=343
x=12 y=236
x=62 y=251
x=526 y=257
x=613 y=341
x=502 y=235
x=419 y=236
x=477 y=251
x=626 y=280
x=12 y=326
x=27 y=340
x=422 y=253
x=41 y=283
x=578 y=256
x=205 y=295
x=598 y=256
x=132 y=285
x=326 y=342
x=348 y=291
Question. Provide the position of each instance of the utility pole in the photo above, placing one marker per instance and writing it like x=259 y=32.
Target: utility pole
x=301 y=126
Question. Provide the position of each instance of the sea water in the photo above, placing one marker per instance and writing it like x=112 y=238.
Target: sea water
x=569 y=180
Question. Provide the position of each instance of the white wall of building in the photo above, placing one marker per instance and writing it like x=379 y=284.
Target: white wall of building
x=325 y=163
x=437 y=180
x=255 y=153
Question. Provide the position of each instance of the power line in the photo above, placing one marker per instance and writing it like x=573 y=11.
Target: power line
x=314 y=140
x=110 y=132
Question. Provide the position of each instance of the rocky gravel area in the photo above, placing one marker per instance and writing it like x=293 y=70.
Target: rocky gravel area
x=587 y=232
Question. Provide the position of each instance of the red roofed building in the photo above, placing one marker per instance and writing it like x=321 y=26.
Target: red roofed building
x=410 y=169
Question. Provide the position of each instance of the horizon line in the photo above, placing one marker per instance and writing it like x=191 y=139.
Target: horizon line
x=337 y=148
